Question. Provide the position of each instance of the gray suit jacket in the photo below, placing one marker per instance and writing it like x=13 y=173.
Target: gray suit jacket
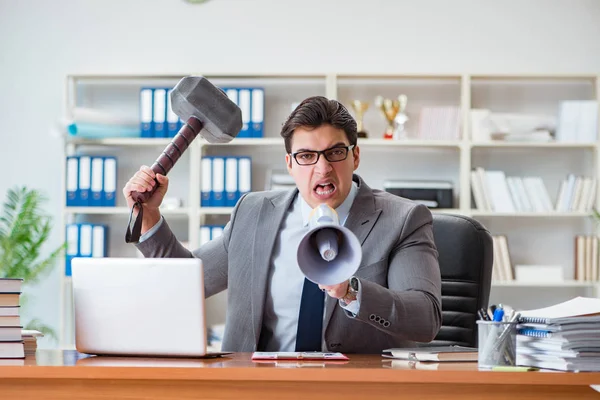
x=399 y=274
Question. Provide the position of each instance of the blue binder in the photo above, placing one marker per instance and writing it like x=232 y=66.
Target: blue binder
x=258 y=113
x=72 y=180
x=84 y=181
x=206 y=182
x=244 y=175
x=159 y=113
x=99 y=241
x=173 y=124
x=109 y=187
x=72 y=235
x=146 y=110
x=231 y=181
x=97 y=182
x=244 y=96
x=218 y=182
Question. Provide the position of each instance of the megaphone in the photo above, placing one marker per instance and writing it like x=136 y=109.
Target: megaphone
x=329 y=253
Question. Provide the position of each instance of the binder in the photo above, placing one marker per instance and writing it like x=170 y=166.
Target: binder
x=218 y=182
x=72 y=180
x=97 y=183
x=85 y=240
x=231 y=181
x=205 y=231
x=173 y=125
x=72 y=235
x=258 y=112
x=99 y=239
x=109 y=187
x=244 y=98
x=216 y=231
x=159 y=113
x=206 y=183
x=85 y=176
x=146 y=106
x=244 y=175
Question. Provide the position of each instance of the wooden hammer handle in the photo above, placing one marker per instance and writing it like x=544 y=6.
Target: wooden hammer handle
x=171 y=154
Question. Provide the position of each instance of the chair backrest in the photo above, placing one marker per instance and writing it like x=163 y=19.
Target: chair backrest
x=465 y=250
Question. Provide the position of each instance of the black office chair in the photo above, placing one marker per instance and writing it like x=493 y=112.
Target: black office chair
x=465 y=250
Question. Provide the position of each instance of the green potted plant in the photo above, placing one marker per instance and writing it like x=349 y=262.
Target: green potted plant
x=24 y=229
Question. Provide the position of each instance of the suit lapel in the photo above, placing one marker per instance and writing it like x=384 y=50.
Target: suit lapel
x=361 y=219
x=267 y=229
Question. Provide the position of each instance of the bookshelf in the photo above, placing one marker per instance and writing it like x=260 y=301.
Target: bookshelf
x=534 y=237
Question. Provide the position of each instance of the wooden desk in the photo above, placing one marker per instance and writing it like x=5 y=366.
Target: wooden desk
x=59 y=375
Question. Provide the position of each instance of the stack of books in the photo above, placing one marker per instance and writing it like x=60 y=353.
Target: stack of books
x=563 y=337
x=11 y=342
x=30 y=341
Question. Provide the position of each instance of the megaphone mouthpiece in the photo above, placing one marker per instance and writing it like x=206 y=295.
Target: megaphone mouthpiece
x=327 y=243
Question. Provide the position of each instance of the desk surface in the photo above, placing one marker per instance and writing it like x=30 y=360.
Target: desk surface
x=363 y=374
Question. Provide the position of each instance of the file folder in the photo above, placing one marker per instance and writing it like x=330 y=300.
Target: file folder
x=244 y=97
x=173 y=125
x=245 y=175
x=231 y=181
x=72 y=180
x=85 y=240
x=159 y=113
x=258 y=112
x=218 y=182
x=72 y=238
x=206 y=183
x=146 y=107
x=97 y=183
x=85 y=176
x=215 y=232
x=99 y=238
x=109 y=187
x=205 y=231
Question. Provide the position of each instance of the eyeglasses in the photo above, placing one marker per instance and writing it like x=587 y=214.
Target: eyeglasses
x=333 y=154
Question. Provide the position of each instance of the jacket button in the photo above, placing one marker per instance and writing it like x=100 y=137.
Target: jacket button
x=372 y=317
x=386 y=324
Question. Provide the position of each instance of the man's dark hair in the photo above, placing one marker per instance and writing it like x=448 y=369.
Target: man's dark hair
x=316 y=111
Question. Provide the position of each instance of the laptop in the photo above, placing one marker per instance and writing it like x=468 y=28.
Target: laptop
x=140 y=307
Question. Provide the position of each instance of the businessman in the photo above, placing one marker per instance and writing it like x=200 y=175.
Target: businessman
x=394 y=299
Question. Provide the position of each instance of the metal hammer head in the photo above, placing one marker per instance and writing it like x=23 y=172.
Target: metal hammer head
x=195 y=96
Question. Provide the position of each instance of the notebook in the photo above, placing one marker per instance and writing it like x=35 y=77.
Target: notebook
x=140 y=307
x=433 y=353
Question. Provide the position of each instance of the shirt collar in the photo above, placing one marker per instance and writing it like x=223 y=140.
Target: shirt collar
x=343 y=210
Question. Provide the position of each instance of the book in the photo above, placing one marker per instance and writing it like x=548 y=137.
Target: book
x=297 y=355
x=434 y=353
x=9 y=299
x=9 y=311
x=10 y=333
x=12 y=320
x=12 y=350
x=10 y=285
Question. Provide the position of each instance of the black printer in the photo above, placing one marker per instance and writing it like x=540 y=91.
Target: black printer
x=433 y=194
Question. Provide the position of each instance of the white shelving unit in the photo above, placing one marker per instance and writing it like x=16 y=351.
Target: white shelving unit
x=539 y=237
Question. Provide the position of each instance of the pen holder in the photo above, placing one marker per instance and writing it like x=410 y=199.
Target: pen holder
x=497 y=344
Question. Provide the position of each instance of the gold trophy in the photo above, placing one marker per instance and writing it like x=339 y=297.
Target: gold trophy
x=360 y=107
x=389 y=108
x=401 y=118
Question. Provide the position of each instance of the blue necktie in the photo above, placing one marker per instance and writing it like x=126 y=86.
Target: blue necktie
x=310 y=319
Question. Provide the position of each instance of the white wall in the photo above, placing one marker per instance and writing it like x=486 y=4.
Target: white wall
x=41 y=41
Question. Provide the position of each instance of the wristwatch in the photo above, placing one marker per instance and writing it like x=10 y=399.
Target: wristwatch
x=352 y=292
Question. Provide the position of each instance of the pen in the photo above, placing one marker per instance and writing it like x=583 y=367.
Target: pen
x=512 y=368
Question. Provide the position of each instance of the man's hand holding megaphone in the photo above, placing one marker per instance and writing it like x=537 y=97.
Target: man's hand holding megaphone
x=329 y=254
